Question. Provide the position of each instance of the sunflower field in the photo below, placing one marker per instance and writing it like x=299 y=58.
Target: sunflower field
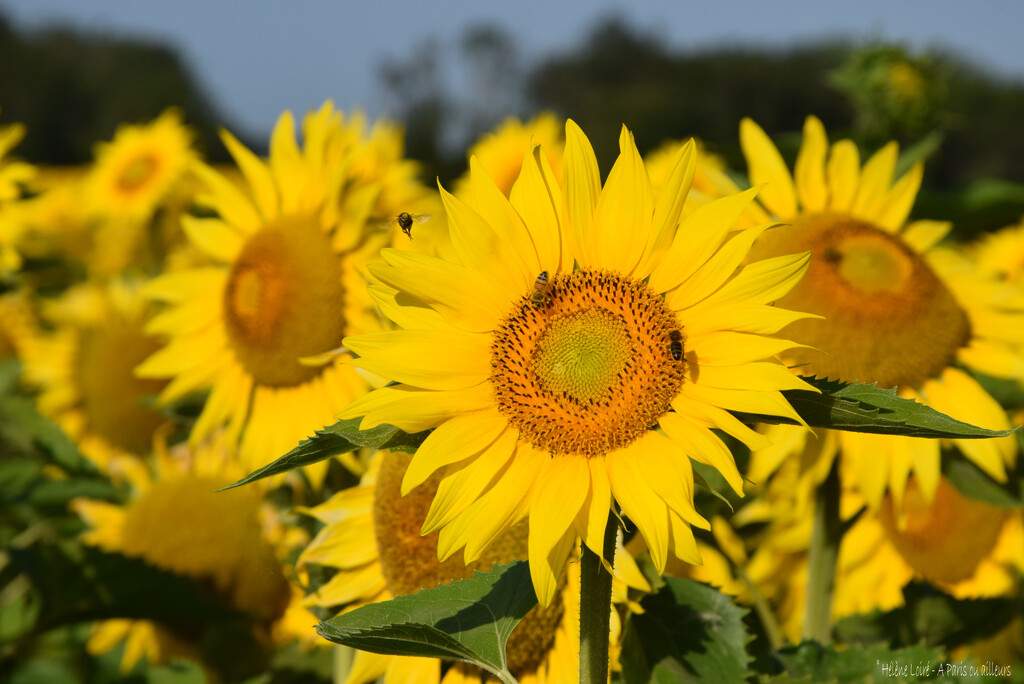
x=309 y=417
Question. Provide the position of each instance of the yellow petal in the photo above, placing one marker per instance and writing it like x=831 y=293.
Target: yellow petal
x=875 y=179
x=670 y=203
x=625 y=207
x=457 y=360
x=922 y=235
x=256 y=173
x=214 y=237
x=498 y=212
x=900 y=199
x=534 y=196
x=843 y=175
x=459 y=438
x=701 y=444
x=639 y=502
x=766 y=166
x=809 y=170
x=762 y=282
x=464 y=483
x=593 y=517
x=560 y=492
x=699 y=236
x=668 y=472
x=582 y=187
x=232 y=205
x=459 y=295
x=719 y=268
x=413 y=409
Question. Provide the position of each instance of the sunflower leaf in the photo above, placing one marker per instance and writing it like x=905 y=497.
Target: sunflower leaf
x=467 y=620
x=867 y=408
x=342 y=437
x=688 y=632
x=814 y=662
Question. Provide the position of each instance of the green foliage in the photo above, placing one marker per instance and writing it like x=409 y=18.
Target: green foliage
x=931 y=617
x=466 y=620
x=812 y=662
x=339 y=438
x=866 y=408
x=972 y=482
x=688 y=632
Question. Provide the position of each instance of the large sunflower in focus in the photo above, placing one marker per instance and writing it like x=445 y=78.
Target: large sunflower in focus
x=897 y=310
x=577 y=356
x=231 y=542
x=84 y=370
x=371 y=535
x=262 y=326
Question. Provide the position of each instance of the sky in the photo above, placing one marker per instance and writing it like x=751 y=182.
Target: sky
x=256 y=58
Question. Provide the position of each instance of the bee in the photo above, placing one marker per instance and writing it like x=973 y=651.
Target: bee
x=405 y=221
x=676 y=345
x=540 y=289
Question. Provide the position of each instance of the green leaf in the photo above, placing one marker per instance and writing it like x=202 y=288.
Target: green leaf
x=972 y=482
x=813 y=662
x=688 y=632
x=866 y=408
x=10 y=371
x=26 y=428
x=339 y=438
x=79 y=584
x=466 y=620
x=931 y=617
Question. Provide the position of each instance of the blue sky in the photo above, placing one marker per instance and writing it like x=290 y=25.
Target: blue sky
x=259 y=57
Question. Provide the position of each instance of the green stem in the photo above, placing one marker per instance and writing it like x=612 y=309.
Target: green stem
x=821 y=560
x=596 y=608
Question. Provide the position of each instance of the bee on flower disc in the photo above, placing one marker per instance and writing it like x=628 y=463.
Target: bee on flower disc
x=405 y=221
x=676 y=346
x=540 y=289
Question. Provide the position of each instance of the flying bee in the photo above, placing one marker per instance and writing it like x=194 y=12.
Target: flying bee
x=676 y=345
x=405 y=221
x=540 y=290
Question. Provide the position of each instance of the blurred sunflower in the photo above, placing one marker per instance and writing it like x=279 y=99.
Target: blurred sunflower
x=371 y=535
x=13 y=176
x=500 y=153
x=84 y=370
x=706 y=178
x=1002 y=253
x=898 y=311
x=177 y=521
x=579 y=319
x=263 y=324
x=140 y=167
x=18 y=326
x=966 y=548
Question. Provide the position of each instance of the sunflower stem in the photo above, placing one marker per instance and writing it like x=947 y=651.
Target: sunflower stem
x=596 y=608
x=821 y=560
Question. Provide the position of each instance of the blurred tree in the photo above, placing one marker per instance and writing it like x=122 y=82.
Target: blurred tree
x=620 y=75
x=72 y=90
x=495 y=80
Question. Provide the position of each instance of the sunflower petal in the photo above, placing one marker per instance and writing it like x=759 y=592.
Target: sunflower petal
x=767 y=166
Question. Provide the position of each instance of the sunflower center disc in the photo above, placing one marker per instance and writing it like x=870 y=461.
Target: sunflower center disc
x=888 y=318
x=582 y=354
x=185 y=525
x=589 y=367
x=136 y=172
x=409 y=561
x=111 y=395
x=283 y=301
x=943 y=540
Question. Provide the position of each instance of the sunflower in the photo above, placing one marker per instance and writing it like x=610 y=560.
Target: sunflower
x=1002 y=253
x=262 y=325
x=966 y=548
x=500 y=153
x=84 y=370
x=177 y=521
x=898 y=311
x=580 y=319
x=13 y=175
x=371 y=535
x=18 y=326
x=140 y=167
